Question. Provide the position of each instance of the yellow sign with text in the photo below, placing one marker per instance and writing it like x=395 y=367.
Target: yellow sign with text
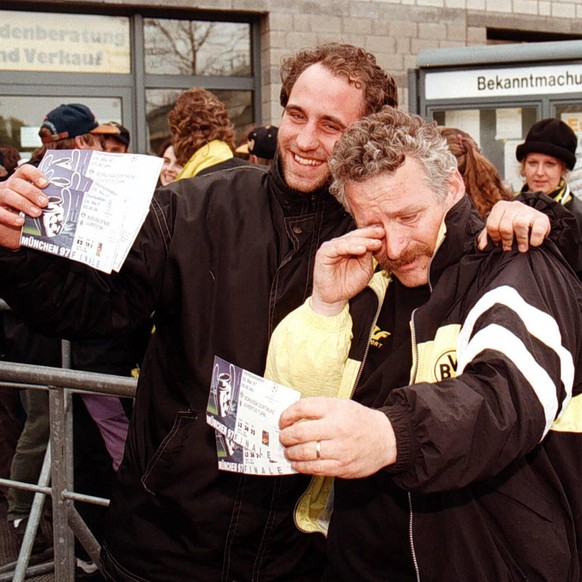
x=64 y=43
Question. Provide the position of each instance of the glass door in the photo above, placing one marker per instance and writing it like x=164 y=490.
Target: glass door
x=571 y=113
x=21 y=114
x=497 y=131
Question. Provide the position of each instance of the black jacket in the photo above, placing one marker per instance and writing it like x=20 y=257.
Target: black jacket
x=486 y=501
x=573 y=250
x=220 y=260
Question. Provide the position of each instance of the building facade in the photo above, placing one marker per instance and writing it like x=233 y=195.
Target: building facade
x=129 y=59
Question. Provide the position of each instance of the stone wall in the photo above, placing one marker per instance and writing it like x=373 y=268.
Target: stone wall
x=394 y=30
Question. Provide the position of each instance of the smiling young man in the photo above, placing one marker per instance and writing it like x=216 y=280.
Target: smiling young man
x=319 y=110
x=457 y=363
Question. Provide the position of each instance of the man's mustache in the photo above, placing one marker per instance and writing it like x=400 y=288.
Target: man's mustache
x=409 y=256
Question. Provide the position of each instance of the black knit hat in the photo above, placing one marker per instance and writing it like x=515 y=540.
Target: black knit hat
x=551 y=137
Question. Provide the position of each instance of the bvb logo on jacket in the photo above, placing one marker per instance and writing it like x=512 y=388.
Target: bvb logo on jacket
x=436 y=358
x=446 y=365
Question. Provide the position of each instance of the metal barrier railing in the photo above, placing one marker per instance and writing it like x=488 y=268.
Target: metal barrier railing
x=58 y=464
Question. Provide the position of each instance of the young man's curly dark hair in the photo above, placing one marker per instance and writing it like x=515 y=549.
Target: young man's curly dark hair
x=197 y=118
x=343 y=60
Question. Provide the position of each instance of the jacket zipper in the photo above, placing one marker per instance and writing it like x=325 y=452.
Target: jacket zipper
x=365 y=356
x=410 y=509
x=360 y=371
x=411 y=538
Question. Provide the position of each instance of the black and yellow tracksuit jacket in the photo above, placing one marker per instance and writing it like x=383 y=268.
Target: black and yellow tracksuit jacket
x=496 y=360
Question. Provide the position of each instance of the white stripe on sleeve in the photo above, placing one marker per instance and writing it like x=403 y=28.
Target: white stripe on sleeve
x=500 y=339
x=539 y=324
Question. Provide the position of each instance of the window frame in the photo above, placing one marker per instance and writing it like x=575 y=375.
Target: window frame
x=132 y=87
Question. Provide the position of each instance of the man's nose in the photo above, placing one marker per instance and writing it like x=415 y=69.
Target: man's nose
x=396 y=243
x=307 y=137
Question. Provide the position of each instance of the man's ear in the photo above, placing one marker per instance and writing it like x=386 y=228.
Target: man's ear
x=79 y=143
x=457 y=187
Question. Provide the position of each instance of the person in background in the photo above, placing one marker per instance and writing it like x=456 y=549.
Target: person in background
x=458 y=362
x=261 y=145
x=110 y=412
x=116 y=143
x=242 y=152
x=100 y=422
x=546 y=156
x=219 y=261
x=202 y=134
x=68 y=127
x=21 y=344
x=9 y=160
x=170 y=168
x=483 y=183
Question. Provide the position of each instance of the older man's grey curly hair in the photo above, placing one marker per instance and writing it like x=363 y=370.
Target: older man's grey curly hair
x=380 y=143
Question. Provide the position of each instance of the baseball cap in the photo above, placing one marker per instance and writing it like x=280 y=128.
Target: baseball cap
x=261 y=142
x=70 y=120
x=123 y=133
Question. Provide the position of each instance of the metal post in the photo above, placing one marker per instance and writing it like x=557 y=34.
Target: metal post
x=84 y=534
x=61 y=383
x=33 y=520
x=64 y=541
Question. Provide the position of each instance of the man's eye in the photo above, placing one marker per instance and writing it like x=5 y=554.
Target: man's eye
x=295 y=115
x=409 y=218
x=331 y=128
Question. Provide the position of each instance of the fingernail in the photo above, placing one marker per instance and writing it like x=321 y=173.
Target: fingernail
x=42 y=199
x=42 y=182
x=34 y=211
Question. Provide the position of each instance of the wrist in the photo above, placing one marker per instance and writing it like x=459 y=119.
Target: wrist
x=326 y=309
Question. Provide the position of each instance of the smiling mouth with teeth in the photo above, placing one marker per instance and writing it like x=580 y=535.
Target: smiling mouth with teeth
x=306 y=161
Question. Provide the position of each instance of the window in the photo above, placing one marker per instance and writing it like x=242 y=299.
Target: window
x=160 y=101
x=126 y=68
x=193 y=47
x=179 y=54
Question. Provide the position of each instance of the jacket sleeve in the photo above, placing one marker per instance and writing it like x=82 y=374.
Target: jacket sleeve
x=563 y=224
x=309 y=351
x=63 y=298
x=518 y=353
